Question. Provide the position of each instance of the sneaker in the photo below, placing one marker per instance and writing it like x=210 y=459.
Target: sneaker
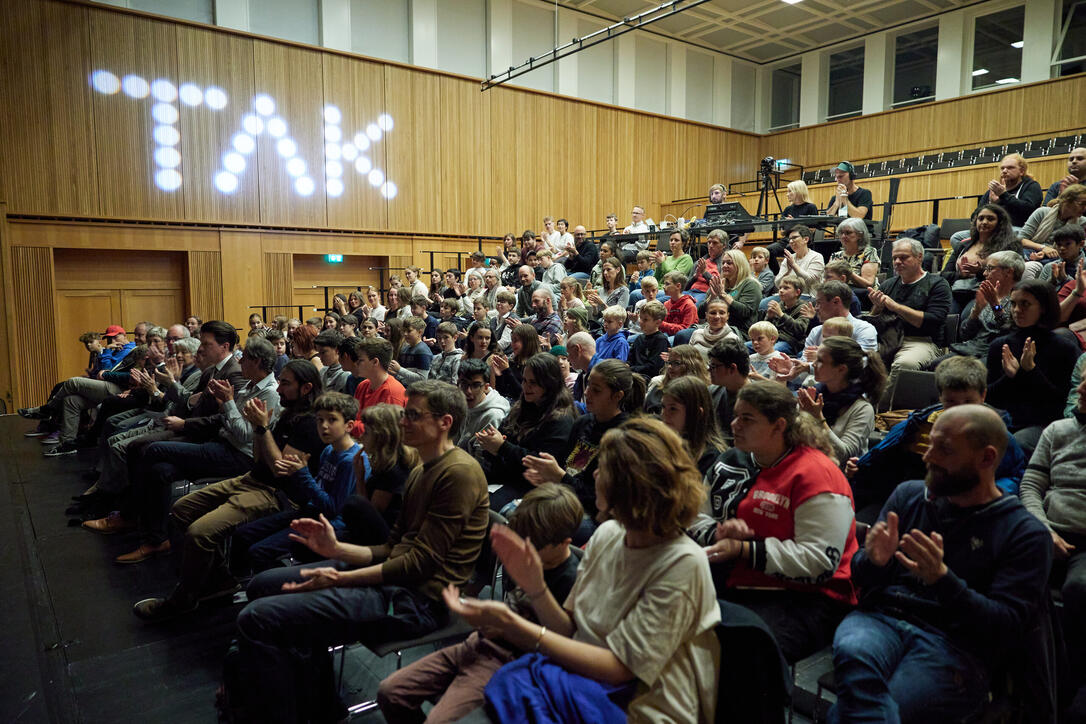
x=38 y=431
x=64 y=448
x=32 y=413
x=52 y=438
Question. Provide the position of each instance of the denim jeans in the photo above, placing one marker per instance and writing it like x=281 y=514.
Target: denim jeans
x=283 y=639
x=579 y=276
x=697 y=296
x=889 y=671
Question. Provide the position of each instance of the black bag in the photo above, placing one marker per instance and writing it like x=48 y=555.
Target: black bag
x=891 y=332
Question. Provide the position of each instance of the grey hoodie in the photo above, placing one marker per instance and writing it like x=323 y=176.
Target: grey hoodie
x=491 y=411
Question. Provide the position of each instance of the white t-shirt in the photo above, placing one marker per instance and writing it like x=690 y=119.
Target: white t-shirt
x=655 y=609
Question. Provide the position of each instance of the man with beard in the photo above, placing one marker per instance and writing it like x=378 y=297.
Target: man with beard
x=952 y=576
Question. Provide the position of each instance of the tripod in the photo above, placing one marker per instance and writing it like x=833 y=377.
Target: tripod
x=768 y=179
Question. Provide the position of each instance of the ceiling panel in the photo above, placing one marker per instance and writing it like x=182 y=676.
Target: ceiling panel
x=764 y=31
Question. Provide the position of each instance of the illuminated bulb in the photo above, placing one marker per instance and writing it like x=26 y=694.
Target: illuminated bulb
x=389 y=190
x=286 y=147
x=334 y=187
x=244 y=143
x=191 y=94
x=361 y=141
x=296 y=166
x=375 y=177
x=168 y=180
x=350 y=153
x=332 y=134
x=277 y=127
x=135 y=87
x=164 y=90
x=166 y=135
x=304 y=186
x=384 y=121
x=226 y=182
x=264 y=104
x=332 y=114
x=233 y=162
x=253 y=124
x=363 y=165
x=164 y=113
x=373 y=132
x=332 y=150
x=167 y=157
x=333 y=169
x=215 y=98
x=105 y=82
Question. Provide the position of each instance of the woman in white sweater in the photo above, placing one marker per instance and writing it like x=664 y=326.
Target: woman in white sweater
x=849 y=385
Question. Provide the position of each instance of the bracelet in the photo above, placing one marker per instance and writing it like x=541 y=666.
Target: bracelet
x=539 y=640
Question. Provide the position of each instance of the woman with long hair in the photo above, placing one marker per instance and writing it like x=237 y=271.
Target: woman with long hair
x=1029 y=368
x=394 y=334
x=538 y=423
x=779 y=527
x=678 y=260
x=301 y=345
x=638 y=626
x=571 y=295
x=613 y=288
x=688 y=410
x=849 y=383
x=990 y=231
x=739 y=289
x=682 y=359
x=505 y=372
x=608 y=250
x=381 y=469
x=480 y=342
x=612 y=395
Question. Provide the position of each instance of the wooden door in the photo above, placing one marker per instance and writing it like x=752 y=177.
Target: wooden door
x=80 y=311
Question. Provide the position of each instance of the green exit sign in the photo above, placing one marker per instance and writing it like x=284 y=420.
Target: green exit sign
x=333 y=258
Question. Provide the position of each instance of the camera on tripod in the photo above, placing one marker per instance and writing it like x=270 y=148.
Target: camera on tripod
x=769 y=164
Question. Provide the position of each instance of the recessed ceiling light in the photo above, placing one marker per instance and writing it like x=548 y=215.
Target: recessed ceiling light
x=792 y=2
x=1017 y=45
x=1004 y=81
x=980 y=71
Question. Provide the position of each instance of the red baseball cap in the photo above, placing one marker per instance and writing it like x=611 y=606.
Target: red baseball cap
x=113 y=330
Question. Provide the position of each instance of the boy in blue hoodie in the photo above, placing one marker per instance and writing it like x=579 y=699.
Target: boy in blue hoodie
x=613 y=344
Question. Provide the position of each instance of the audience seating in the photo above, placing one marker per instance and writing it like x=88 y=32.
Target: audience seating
x=915 y=389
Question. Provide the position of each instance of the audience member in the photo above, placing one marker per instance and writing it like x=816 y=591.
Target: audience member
x=1028 y=369
x=831 y=300
x=443 y=365
x=760 y=271
x=1068 y=241
x=899 y=456
x=849 y=199
x=933 y=599
x=638 y=225
x=739 y=289
x=990 y=232
x=333 y=376
x=581 y=347
x=415 y=355
x=1015 y=190
x=717 y=327
x=295 y=614
x=528 y=285
x=456 y=676
x=501 y=326
x=682 y=360
x=486 y=406
x=571 y=295
x=839 y=271
x=687 y=408
x=646 y=348
x=547 y=324
x=613 y=344
x=1076 y=174
x=505 y=372
x=678 y=260
x=729 y=370
x=1035 y=234
x=789 y=314
x=370 y=359
x=553 y=272
x=778 y=524
x=862 y=258
x=615 y=293
x=581 y=255
x=707 y=267
x=608 y=250
x=799 y=203
x=988 y=315
x=480 y=342
x=638 y=571
x=762 y=345
x=682 y=311
x=799 y=259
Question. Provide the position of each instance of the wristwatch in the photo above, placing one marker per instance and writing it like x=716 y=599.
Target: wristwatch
x=259 y=429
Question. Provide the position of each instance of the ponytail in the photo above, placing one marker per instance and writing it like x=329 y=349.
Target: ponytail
x=865 y=368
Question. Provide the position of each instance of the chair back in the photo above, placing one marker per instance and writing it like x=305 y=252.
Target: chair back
x=950 y=328
x=486 y=565
x=950 y=227
x=914 y=390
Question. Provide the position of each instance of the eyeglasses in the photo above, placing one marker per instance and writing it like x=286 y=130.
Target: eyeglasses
x=414 y=415
x=673 y=364
x=989 y=268
x=465 y=385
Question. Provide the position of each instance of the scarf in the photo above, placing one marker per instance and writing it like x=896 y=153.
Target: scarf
x=834 y=403
x=1047 y=225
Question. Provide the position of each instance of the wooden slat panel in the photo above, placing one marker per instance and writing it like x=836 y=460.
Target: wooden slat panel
x=205 y=284
x=110 y=236
x=78 y=312
x=33 y=298
x=107 y=269
x=124 y=44
x=357 y=89
x=293 y=78
x=47 y=154
x=278 y=278
x=209 y=58
x=242 y=276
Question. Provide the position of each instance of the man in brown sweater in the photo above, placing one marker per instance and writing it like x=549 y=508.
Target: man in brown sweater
x=366 y=593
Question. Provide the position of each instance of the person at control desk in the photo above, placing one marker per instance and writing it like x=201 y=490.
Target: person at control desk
x=849 y=199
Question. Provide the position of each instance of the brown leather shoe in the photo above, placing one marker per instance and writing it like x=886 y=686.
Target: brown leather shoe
x=112 y=523
x=144 y=552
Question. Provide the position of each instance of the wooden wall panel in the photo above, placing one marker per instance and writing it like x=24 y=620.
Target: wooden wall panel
x=76 y=235
x=357 y=89
x=124 y=44
x=413 y=149
x=311 y=270
x=242 y=275
x=205 y=284
x=47 y=154
x=278 y=279
x=209 y=58
x=80 y=311
x=292 y=77
x=109 y=269
x=33 y=297
x=972 y=121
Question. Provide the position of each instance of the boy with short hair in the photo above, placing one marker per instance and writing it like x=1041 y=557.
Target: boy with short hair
x=486 y=406
x=333 y=376
x=419 y=307
x=444 y=364
x=414 y=355
x=645 y=260
x=457 y=675
x=279 y=341
x=839 y=271
x=789 y=315
x=759 y=268
x=682 y=312
x=371 y=358
x=645 y=350
x=499 y=325
x=649 y=289
x=448 y=310
x=763 y=337
x=837 y=327
x=508 y=271
x=613 y=343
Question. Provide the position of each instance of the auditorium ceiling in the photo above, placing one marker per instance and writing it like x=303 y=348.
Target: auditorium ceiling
x=764 y=31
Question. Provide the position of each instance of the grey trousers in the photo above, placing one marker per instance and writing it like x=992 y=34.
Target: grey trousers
x=75 y=395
